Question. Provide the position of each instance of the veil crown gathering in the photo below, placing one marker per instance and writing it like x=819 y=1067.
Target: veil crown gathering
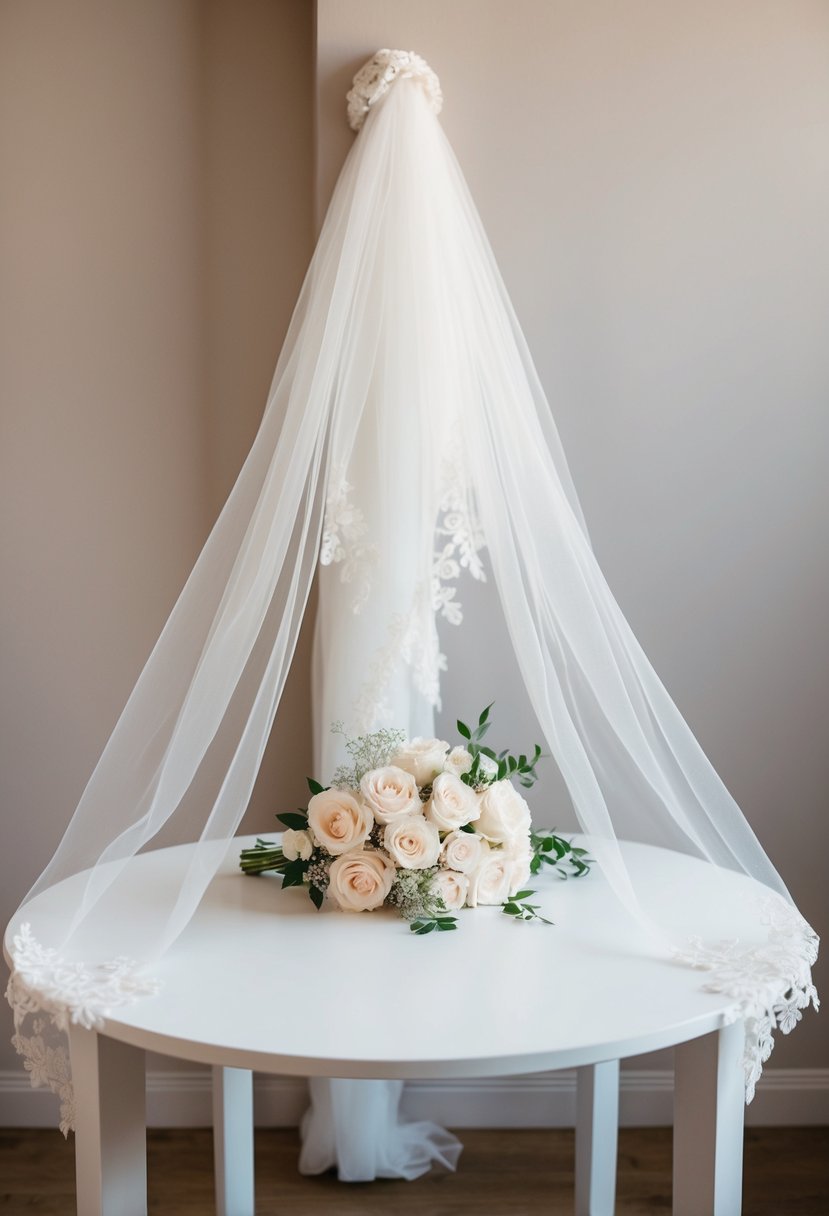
x=376 y=77
x=407 y=444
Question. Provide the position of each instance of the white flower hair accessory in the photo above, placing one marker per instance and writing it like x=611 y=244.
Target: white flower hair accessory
x=376 y=77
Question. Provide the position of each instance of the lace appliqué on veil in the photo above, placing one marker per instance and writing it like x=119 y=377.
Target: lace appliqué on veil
x=343 y=543
x=55 y=994
x=413 y=637
x=771 y=984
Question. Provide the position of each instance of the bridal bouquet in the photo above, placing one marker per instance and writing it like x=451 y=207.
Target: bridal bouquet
x=421 y=826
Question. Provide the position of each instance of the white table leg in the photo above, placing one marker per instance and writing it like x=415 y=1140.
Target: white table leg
x=709 y=1106
x=597 y=1132
x=233 y=1140
x=110 y=1125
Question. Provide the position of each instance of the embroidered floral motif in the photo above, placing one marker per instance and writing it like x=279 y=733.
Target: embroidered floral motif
x=376 y=77
x=771 y=984
x=342 y=540
x=42 y=983
x=463 y=540
x=412 y=639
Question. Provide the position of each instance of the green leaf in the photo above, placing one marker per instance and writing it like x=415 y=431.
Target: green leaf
x=467 y=827
x=464 y=730
x=512 y=909
x=314 y=786
x=522 y=895
x=294 y=873
x=317 y=896
x=292 y=820
x=485 y=713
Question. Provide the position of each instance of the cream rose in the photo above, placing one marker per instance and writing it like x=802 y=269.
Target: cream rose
x=296 y=844
x=390 y=792
x=504 y=813
x=412 y=842
x=339 y=821
x=459 y=761
x=452 y=803
x=452 y=887
x=491 y=883
x=360 y=880
x=463 y=851
x=423 y=758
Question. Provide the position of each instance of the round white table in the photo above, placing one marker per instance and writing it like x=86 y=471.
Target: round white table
x=261 y=981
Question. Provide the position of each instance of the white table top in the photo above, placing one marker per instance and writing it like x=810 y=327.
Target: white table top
x=261 y=980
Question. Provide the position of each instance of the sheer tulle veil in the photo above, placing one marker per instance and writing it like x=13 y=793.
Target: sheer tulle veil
x=406 y=447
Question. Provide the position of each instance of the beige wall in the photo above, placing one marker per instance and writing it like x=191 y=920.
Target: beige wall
x=155 y=224
x=654 y=178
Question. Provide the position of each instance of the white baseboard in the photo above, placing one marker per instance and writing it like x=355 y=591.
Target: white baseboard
x=785 y=1096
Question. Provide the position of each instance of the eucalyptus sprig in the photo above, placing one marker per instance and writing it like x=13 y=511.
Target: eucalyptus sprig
x=443 y=924
x=506 y=765
x=568 y=860
x=520 y=910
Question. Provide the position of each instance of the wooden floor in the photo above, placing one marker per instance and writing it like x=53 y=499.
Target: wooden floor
x=509 y=1173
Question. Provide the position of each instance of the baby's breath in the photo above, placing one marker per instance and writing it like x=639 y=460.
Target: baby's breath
x=413 y=894
x=317 y=875
x=365 y=753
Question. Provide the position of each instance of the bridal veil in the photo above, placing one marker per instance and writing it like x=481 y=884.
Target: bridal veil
x=407 y=449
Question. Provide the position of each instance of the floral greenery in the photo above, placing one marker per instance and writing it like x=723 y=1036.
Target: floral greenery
x=523 y=911
x=442 y=923
x=504 y=765
x=412 y=891
x=567 y=860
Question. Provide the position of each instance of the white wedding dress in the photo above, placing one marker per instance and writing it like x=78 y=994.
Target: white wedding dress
x=407 y=447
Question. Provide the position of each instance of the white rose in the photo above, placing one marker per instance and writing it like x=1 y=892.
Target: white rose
x=463 y=851
x=452 y=888
x=390 y=792
x=423 y=758
x=459 y=761
x=518 y=855
x=491 y=883
x=412 y=842
x=296 y=844
x=452 y=804
x=487 y=767
x=360 y=880
x=339 y=821
x=504 y=813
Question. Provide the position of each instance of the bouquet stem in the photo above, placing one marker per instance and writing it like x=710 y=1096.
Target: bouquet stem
x=263 y=857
